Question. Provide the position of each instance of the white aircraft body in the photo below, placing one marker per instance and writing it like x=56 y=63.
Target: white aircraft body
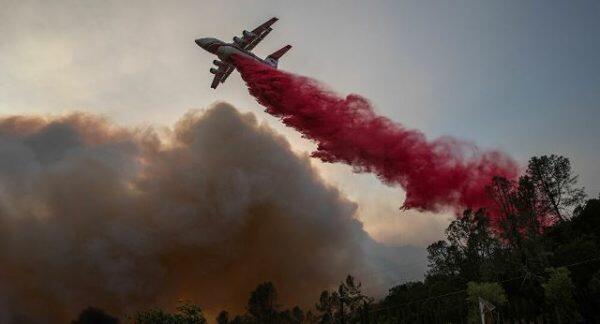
x=240 y=46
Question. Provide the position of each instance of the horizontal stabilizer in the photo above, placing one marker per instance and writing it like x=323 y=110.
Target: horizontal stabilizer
x=276 y=55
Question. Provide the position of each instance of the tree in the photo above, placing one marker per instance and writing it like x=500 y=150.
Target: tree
x=352 y=301
x=469 y=250
x=517 y=210
x=185 y=314
x=594 y=286
x=263 y=308
x=293 y=316
x=444 y=259
x=223 y=318
x=346 y=305
x=311 y=318
x=93 y=315
x=243 y=319
x=513 y=241
x=297 y=315
x=555 y=184
x=491 y=292
x=326 y=307
x=262 y=305
x=587 y=218
x=520 y=224
x=558 y=291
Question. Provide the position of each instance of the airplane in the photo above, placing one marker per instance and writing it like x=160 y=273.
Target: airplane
x=240 y=46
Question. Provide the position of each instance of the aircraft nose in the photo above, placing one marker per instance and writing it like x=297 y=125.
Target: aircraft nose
x=202 y=42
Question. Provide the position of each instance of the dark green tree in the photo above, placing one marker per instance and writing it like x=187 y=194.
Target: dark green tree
x=262 y=305
x=93 y=315
x=185 y=314
x=263 y=308
x=346 y=305
x=486 y=292
x=298 y=315
x=470 y=250
x=326 y=307
x=352 y=302
x=223 y=318
x=293 y=316
x=521 y=225
x=559 y=296
x=555 y=184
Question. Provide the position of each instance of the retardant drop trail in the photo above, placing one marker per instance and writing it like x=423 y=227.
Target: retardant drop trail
x=438 y=174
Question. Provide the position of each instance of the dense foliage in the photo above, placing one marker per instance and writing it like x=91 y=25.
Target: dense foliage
x=538 y=245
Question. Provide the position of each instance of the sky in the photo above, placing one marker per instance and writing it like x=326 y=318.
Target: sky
x=520 y=76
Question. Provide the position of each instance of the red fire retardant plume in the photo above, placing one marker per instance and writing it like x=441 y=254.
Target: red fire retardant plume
x=439 y=174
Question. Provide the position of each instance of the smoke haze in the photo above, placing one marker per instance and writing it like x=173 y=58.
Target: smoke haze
x=94 y=214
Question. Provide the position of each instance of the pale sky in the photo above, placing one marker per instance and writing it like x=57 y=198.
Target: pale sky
x=521 y=76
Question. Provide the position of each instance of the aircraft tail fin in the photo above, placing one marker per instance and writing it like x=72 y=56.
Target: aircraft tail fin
x=273 y=59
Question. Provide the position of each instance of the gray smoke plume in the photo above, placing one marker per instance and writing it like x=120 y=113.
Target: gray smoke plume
x=94 y=214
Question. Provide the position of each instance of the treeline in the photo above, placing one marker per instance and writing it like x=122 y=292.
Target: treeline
x=533 y=256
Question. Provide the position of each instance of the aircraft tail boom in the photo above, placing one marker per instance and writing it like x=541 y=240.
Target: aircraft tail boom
x=273 y=59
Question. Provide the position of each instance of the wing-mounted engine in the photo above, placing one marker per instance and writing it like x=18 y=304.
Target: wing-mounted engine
x=214 y=71
x=218 y=63
x=238 y=40
x=248 y=34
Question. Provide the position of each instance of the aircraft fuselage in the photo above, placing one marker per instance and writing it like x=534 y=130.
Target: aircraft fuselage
x=226 y=51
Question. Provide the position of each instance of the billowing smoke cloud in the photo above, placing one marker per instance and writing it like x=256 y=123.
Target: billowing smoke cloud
x=94 y=214
x=435 y=174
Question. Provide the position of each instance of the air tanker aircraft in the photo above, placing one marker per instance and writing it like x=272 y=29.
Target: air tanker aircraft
x=240 y=46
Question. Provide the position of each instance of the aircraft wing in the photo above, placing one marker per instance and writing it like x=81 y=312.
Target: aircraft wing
x=257 y=40
x=251 y=39
x=226 y=73
x=221 y=75
x=216 y=81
